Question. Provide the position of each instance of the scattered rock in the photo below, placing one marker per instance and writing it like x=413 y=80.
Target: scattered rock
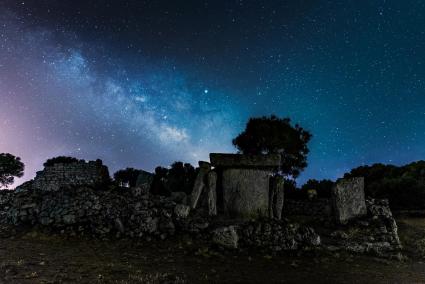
x=226 y=237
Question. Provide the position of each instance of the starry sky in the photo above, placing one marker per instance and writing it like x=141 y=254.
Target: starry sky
x=145 y=83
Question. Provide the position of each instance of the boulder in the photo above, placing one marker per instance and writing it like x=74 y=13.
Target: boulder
x=226 y=237
x=181 y=211
x=348 y=199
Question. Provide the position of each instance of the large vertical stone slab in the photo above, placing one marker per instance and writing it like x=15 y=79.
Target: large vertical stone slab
x=245 y=192
x=199 y=184
x=276 y=198
x=348 y=199
x=212 y=193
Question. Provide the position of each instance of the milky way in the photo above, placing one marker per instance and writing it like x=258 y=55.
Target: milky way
x=144 y=84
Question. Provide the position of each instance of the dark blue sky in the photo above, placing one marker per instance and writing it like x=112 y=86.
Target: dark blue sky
x=144 y=83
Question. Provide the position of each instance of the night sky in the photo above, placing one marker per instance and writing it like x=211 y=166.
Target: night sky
x=145 y=83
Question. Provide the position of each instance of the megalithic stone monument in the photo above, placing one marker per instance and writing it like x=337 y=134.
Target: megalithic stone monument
x=244 y=184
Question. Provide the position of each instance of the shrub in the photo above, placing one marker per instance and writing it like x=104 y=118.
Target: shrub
x=61 y=160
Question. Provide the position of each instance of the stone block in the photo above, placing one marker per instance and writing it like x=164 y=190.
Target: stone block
x=199 y=184
x=348 y=199
x=276 y=198
x=245 y=161
x=212 y=193
x=245 y=192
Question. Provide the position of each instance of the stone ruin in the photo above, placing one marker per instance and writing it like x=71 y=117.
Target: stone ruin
x=67 y=175
x=240 y=186
x=237 y=201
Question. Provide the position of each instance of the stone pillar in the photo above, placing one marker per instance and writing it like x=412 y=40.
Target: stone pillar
x=198 y=187
x=212 y=193
x=348 y=199
x=276 y=198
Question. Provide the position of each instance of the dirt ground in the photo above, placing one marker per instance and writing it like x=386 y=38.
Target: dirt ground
x=38 y=258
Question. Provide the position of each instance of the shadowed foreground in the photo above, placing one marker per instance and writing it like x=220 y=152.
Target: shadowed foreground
x=38 y=258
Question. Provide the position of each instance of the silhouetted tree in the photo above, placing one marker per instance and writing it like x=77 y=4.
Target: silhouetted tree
x=322 y=187
x=179 y=177
x=61 y=160
x=291 y=190
x=403 y=186
x=10 y=167
x=158 y=186
x=264 y=135
x=127 y=176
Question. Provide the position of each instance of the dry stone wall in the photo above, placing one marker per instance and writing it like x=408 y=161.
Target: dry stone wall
x=88 y=211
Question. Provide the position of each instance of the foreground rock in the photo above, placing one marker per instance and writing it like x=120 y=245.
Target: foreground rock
x=226 y=237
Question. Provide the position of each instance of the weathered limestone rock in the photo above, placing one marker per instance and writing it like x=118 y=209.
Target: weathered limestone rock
x=348 y=199
x=181 y=211
x=198 y=187
x=226 y=237
x=212 y=193
x=245 y=192
x=276 y=197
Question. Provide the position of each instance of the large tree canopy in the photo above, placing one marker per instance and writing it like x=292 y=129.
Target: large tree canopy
x=10 y=167
x=265 y=135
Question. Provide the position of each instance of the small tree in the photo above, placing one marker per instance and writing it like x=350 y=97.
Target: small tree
x=10 y=167
x=266 y=135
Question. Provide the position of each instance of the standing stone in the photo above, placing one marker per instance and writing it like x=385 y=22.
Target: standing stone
x=119 y=225
x=246 y=192
x=348 y=199
x=226 y=237
x=198 y=187
x=276 y=197
x=212 y=193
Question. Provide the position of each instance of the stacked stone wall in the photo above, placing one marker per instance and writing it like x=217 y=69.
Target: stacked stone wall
x=81 y=173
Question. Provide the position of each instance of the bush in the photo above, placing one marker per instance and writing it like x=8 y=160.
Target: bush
x=61 y=160
x=128 y=176
x=179 y=177
x=322 y=187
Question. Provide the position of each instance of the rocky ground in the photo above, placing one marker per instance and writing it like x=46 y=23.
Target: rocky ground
x=33 y=257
